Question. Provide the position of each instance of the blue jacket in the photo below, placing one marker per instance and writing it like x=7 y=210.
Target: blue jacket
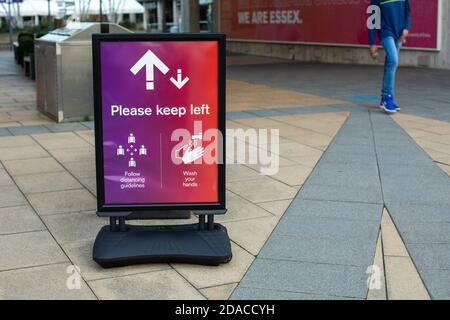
x=395 y=16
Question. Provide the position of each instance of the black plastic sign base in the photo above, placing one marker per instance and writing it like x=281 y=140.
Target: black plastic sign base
x=150 y=244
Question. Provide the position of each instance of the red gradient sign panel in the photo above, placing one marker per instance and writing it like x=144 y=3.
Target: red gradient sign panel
x=149 y=91
x=341 y=22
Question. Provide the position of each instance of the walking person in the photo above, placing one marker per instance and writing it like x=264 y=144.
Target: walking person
x=395 y=26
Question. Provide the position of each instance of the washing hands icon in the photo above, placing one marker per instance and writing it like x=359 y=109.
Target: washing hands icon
x=191 y=152
x=192 y=155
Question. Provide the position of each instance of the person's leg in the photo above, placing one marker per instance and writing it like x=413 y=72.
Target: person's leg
x=399 y=45
x=391 y=47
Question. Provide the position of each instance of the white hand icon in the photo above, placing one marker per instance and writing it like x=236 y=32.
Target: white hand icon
x=192 y=155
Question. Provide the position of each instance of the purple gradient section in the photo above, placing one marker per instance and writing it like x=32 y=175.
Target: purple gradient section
x=198 y=60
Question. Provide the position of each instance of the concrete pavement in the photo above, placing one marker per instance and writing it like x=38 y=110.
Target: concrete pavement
x=356 y=188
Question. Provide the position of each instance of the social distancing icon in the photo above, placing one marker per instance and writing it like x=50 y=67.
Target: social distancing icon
x=131 y=150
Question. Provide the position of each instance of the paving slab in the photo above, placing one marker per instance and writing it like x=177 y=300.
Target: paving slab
x=219 y=292
x=420 y=232
x=81 y=169
x=356 y=177
x=89 y=183
x=70 y=227
x=65 y=127
x=5 y=179
x=354 y=150
x=427 y=193
x=23 y=152
x=348 y=165
x=157 y=285
x=307 y=161
x=399 y=146
x=341 y=193
x=422 y=172
x=240 y=209
x=10 y=196
x=237 y=172
x=209 y=276
x=378 y=293
x=88 y=124
x=262 y=189
x=294 y=149
x=4 y=132
x=445 y=168
x=6 y=125
x=74 y=155
x=63 y=140
x=19 y=219
x=32 y=166
x=350 y=252
x=430 y=255
x=243 y=293
x=356 y=140
x=22 y=250
x=436 y=282
x=41 y=283
x=302 y=277
x=312 y=139
x=419 y=213
x=43 y=182
x=349 y=158
x=266 y=112
x=292 y=175
x=403 y=281
x=404 y=158
x=392 y=242
x=27 y=130
x=278 y=207
x=87 y=135
x=251 y=234
x=47 y=203
x=308 y=226
x=239 y=115
x=336 y=209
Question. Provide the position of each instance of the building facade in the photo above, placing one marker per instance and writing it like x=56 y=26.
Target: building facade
x=331 y=31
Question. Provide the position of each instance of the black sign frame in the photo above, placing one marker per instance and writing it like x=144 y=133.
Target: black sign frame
x=139 y=209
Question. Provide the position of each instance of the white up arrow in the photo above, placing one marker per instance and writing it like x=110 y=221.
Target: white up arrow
x=149 y=60
x=179 y=83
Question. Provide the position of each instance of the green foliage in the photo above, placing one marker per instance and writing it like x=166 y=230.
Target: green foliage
x=43 y=25
x=26 y=43
x=128 y=24
x=5 y=27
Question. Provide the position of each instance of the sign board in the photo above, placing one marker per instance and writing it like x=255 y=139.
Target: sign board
x=340 y=22
x=160 y=121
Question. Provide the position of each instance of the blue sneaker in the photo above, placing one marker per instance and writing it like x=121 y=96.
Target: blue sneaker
x=388 y=105
x=382 y=102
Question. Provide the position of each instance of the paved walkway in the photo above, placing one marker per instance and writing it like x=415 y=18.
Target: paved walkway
x=18 y=100
x=355 y=188
x=327 y=237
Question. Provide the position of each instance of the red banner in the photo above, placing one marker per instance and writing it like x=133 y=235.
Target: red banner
x=334 y=22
